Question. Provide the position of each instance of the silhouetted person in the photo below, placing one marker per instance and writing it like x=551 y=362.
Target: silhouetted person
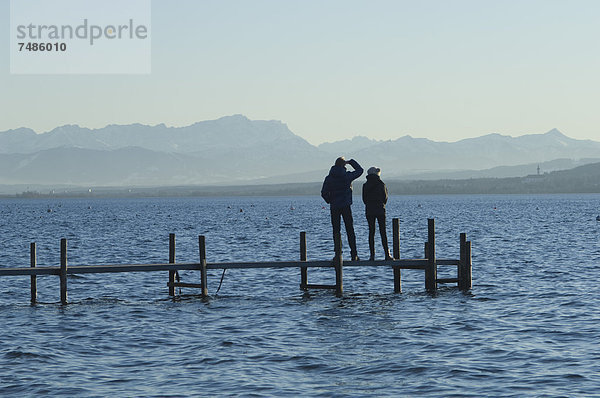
x=337 y=191
x=375 y=196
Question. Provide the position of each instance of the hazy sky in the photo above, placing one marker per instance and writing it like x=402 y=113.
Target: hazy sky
x=330 y=70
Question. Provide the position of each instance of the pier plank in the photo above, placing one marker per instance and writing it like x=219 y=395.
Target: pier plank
x=416 y=263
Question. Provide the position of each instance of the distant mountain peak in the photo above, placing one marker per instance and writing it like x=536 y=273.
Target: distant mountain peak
x=237 y=116
x=555 y=133
x=493 y=135
x=362 y=138
x=66 y=127
x=19 y=131
x=357 y=139
x=407 y=137
x=347 y=146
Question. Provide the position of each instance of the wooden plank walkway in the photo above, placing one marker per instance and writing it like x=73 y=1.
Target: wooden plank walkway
x=116 y=268
x=428 y=264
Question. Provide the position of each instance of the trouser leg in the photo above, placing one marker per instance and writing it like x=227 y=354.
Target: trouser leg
x=383 y=233
x=349 y=224
x=336 y=224
x=371 y=222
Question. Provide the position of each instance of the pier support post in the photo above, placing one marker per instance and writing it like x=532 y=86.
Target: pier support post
x=303 y=270
x=171 y=261
x=63 y=271
x=431 y=269
x=203 y=277
x=338 y=262
x=462 y=262
x=396 y=254
x=468 y=267
x=33 y=261
x=465 y=266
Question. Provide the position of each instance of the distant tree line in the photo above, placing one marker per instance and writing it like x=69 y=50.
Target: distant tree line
x=583 y=179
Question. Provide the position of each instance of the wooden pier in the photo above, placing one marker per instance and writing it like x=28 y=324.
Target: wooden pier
x=429 y=264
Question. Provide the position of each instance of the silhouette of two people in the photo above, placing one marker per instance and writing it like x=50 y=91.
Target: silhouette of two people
x=337 y=191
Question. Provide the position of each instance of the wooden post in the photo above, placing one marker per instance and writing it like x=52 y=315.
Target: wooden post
x=33 y=261
x=469 y=267
x=426 y=249
x=303 y=270
x=63 y=271
x=431 y=269
x=171 y=261
x=462 y=263
x=203 y=278
x=338 y=262
x=396 y=247
x=396 y=237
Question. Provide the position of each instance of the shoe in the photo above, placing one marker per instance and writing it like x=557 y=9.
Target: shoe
x=388 y=256
x=355 y=258
x=371 y=258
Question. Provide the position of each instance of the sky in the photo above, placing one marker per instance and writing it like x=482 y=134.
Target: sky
x=331 y=70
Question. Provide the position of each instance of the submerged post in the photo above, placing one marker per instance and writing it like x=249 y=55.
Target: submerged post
x=338 y=262
x=431 y=269
x=33 y=261
x=396 y=247
x=468 y=267
x=171 y=261
x=63 y=271
x=462 y=262
x=203 y=278
x=303 y=270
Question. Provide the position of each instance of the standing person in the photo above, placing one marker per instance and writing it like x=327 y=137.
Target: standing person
x=375 y=196
x=337 y=191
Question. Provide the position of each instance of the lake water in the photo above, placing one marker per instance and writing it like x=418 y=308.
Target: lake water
x=529 y=326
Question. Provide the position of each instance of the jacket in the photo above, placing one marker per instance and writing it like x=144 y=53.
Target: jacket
x=374 y=195
x=337 y=187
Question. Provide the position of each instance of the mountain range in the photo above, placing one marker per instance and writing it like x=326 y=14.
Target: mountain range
x=235 y=150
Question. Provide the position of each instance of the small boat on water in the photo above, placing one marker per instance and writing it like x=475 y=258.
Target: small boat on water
x=597 y=218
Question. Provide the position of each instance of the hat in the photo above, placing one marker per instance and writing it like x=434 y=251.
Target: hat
x=374 y=170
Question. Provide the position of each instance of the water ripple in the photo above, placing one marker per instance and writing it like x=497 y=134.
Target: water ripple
x=528 y=328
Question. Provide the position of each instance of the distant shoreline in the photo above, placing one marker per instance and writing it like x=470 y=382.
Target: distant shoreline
x=583 y=179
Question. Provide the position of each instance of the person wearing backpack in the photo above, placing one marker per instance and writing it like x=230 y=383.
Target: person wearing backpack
x=337 y=191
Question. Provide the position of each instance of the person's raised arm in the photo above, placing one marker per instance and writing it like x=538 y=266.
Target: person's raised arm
x=357 y=169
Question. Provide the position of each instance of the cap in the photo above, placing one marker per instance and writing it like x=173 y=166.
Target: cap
x=374 y=170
